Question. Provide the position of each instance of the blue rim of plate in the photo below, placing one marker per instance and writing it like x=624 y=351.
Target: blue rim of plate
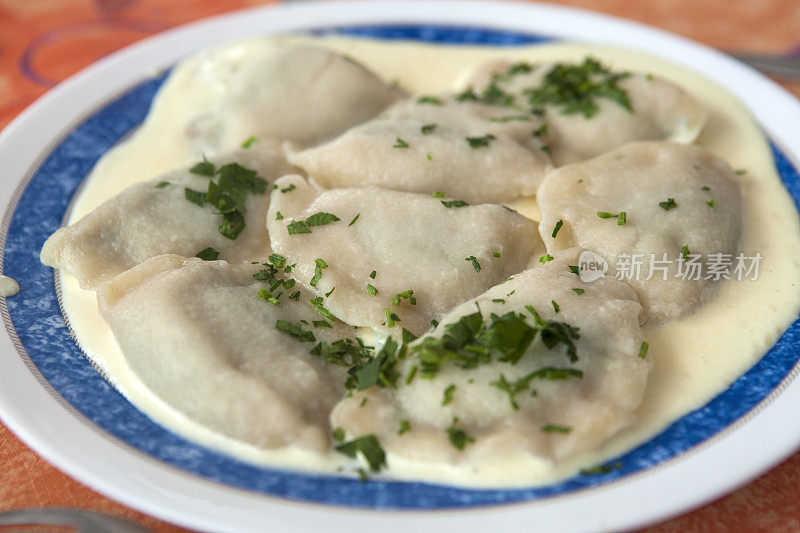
x=47 y=343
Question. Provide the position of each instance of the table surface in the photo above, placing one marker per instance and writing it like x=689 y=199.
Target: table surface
x=44 y=41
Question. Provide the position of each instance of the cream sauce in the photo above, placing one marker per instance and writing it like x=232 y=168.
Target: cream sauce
x=695 y=357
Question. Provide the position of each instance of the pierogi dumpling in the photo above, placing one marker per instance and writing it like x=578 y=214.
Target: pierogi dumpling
x=155 y=217
x=471 y=151
x=200 y=338
x=659 y=109
x=411 y=242
x=525 y=403
x=681 y=204
x=302 y=94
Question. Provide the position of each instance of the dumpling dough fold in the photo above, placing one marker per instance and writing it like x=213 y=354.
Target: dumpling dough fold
x=661 y=111
x=410 y=241
x=637 y=179
x=471 y=151
x=200 y=338
x=587 y=410
x=146 y=220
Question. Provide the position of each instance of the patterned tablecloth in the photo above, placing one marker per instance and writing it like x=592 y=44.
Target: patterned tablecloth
x=44 y=41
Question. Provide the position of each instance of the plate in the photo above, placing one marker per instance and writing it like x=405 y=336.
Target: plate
x=54 y=399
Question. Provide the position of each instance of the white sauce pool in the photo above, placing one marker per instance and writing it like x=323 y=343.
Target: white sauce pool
x=695 y=358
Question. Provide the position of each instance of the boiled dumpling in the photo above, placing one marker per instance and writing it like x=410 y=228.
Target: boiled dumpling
x=481 y=390
x=367 y=249
x=659 y=109
x=470 y=151
x=681 y=204
x=201 y=339
x=155 y=217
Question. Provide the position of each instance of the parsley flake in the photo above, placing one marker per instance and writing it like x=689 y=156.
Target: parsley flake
x=643 y=349
x=557 y=227
x=427 y=129
x=354 y=220
x=400 y=143
x=454 y=203
x=161 y=184
x=668 y=204
x=320 y=264
x=480 y=142
x=208 y=254
x=430 y=100
x=369 y=448
x=475 y=264
x=553 y=428
x=447 y=395
x=458 y=437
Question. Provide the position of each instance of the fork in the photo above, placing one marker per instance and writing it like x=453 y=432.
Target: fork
x=80 y=520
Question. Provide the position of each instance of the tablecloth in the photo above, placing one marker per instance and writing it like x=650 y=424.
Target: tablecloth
x=44 y=41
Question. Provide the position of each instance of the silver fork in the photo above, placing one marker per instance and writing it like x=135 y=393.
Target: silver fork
x=80 y=520
x=774 y=65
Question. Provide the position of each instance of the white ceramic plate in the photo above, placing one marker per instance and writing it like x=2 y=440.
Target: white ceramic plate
x=51 y=397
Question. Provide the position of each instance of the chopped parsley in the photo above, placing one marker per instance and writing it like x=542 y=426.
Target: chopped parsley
x=578 y=291
x=290 y=188
x=317 y=219
x=400 y=143
x=513 y=388
x=405 y=426
x=372 y=290
x=369 y=448
x=475 y=264
x=556 y=307
x=643 y=349
x=204 y=168
x=295 y=329
x=575 y=270
x=668 y=204
x=447 y=395
x=454 y=203
x=317 y=303
x=685 y=252
x=430 y=100
x=472 y=341
x=705 y=188
x=208 y=254
x=621 y=217
x=467 y=94
x=354 y=220
x=320 y=265
x=545 y=258
x=196 y=197
x=553 y=428
x=496 y=255
x=557 y=228
x=278 y=216
x=227 y=194
x=576 y=88
x=480 y=142
x=511 y=118
x=161 y=184
x=458 y=437
x=249 y=142
x=427 y=129
x=373 y=274
x=438 y=194
x=711 y=203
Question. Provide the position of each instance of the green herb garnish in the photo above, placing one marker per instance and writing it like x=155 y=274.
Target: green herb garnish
x=480 y=142
x=369 y=448
x=208 y=254
x=474 y=261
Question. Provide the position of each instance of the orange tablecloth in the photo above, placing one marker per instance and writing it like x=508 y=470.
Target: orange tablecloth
x=44 y=41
